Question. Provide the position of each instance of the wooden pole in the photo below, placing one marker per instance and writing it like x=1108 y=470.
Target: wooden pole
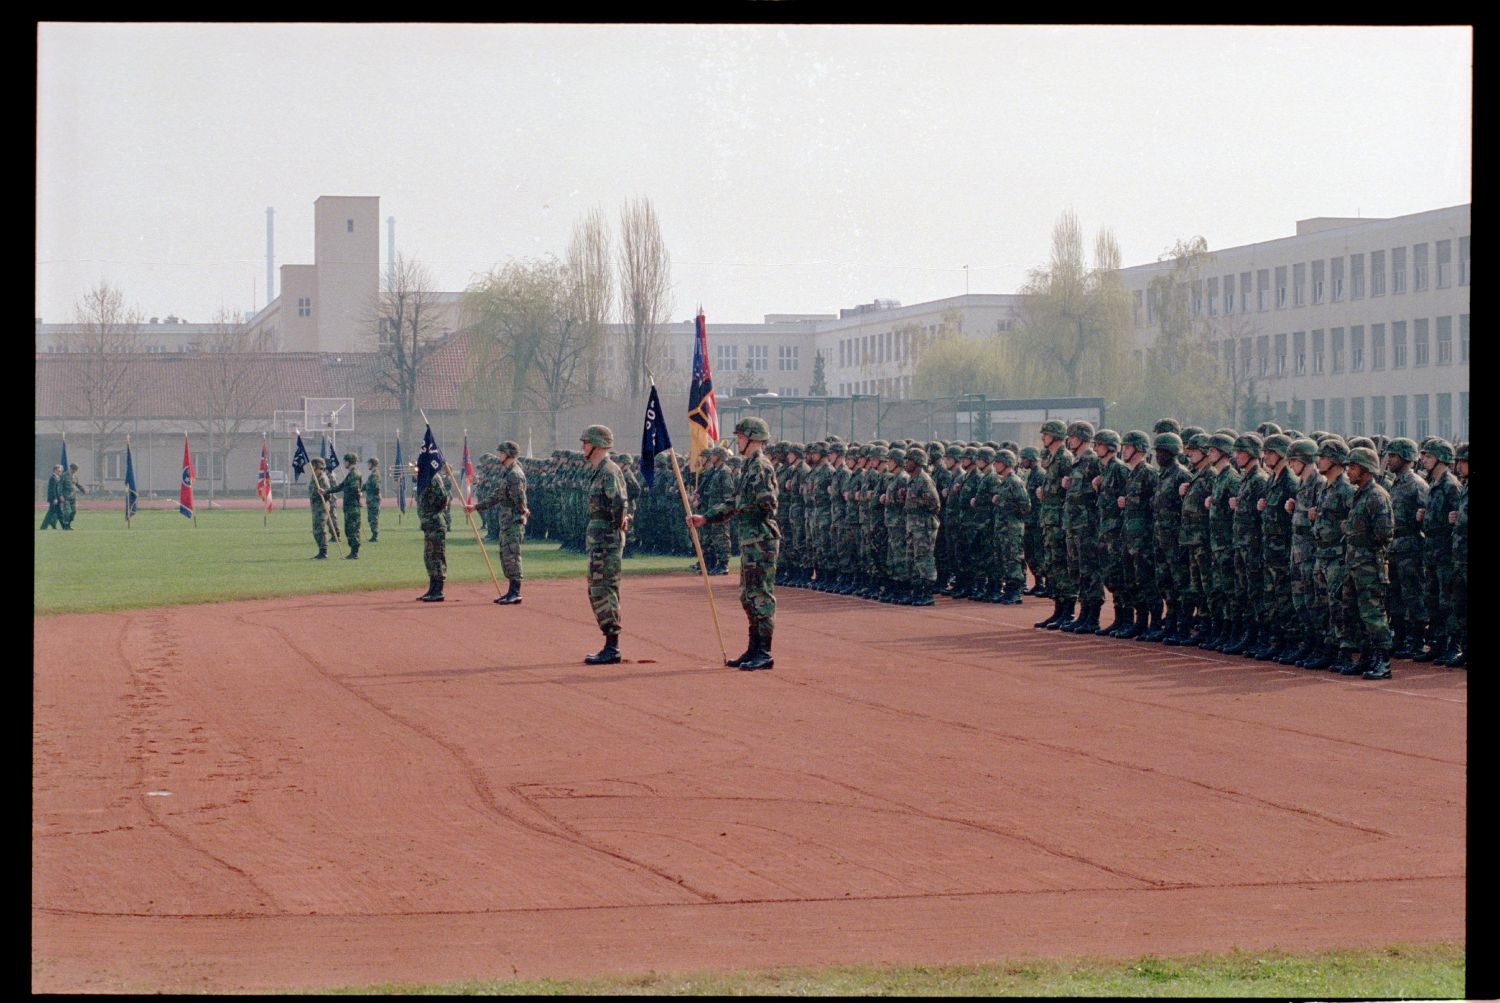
x=697 y=549
x=468 y=516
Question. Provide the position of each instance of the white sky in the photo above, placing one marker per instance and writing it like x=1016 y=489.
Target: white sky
x=794 y=168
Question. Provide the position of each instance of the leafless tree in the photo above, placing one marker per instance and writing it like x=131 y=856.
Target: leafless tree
x=406 y=333
x=645 y=290
x=592 y=285
x=109 y=376
x=235 y=378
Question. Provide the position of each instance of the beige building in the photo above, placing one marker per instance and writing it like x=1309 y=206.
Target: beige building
x=1357 y=326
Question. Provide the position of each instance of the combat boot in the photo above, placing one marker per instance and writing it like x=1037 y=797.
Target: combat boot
x=1182 y=629
x=1048 y=621
x=1012 y=596
x=1234 y=628
x=1448 y=652
x=922 y=594
x=431 y=585
x=1321 y=658
x=1156 y=628
x=512 y=595
x=1217 y=628
x=1088 y=620
x=1344 y=665
x=609 y=654
x=1293 y=653
x=1240 y=642
x=1436 y=648
x=1460 y=657
x=1269 y=648
x=1132 y=622
x=353 y=555
x=374 y=537
x=1256 y=638
x=760 y=658
x=1118 y=623
x=735 y=663
x=1071 y=623
x=1043 y=589
x=1065 y=614
x=1413 y=643
x=436 y=595
x=321 y=555
x=1378 y=667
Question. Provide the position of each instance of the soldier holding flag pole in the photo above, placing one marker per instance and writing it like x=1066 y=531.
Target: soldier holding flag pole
x=428 y=466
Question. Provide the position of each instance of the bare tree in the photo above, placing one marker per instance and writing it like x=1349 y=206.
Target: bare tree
x=1183 y=376
x=235 y=378
x=108 y=376
x=592 y=285
x=645 y=290
x=406 y=333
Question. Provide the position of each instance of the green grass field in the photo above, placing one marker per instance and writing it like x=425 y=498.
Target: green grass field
x=163 y=559
x=1426 y=972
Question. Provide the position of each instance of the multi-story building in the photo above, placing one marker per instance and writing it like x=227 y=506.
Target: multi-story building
x=1357 y=326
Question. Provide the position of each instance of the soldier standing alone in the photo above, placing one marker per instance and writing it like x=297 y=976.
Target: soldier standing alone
x=372 y=498
x=604 y=538
x=353 y=495
x=508 y=497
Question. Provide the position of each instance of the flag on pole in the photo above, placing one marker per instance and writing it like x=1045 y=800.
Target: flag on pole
x=185 y=494
x=130 y=492
x=703 y=413
x=300 y=459
x=400 y=477
x=330 y=458
x=64 y=460
x=468 y=485
x=429 y=461
x=263 y=481
x=654 y=438
x=528 y=442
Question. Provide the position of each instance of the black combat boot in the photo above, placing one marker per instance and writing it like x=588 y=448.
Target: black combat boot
x=1460 y=657
x=321 y=555
x=922 y=594
x=1256 y=638
x=1132 y=625
x=374 y=537
x=1345 y=665
x=1378 y=666
x=609 y=654
x=1012 y=596
x=512 y=596
x=1398 y=628
x=1088 y=621
x=436 y=595
x=1043 y=589
x=1293 y=653
x=1073 y=621
x=1182 y=629
x=431 y=587
x=1321 y=658
x=1117 y=623
x=1448 y=651
x=735 y=663
x=353 y=555
x=760 y=658
x=1270 y=646
x=1156 y=628
x=1436 y=648
x=1047 y=622
x=1242 y=641
x=1065 y=614
x=1413 y=642
x=1209 y=632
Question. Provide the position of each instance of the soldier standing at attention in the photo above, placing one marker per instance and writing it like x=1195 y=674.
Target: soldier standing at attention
x=1226 y=484
x=319 y=500
x=1276 y=547
x=1012 y=506
x=1437 y=549
x=1370 y=529
x=1035 y=478
x=1058 y=463
x=351 y=488
x=1408 y=496
x=1172 y=566
x=1139 y=546
x=1306 y=616
x=1328 y=531
x=372 y=498
x=754 y=502
x=604 y=538
x=1459 y=520
x=1249 y=567
x=1081 y=522
x=1193 y=538
x=790 y=507
x=893 y=499
x=716 y=487
x=432 y=502
x=507 y=497
x=1109 y=484
x=922 y=507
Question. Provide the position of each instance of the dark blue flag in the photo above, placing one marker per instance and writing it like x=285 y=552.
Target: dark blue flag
x=654 y=438
x=429 y=461
x=130 y=492
x=400 y=477
x=330 y=458
x=64 y=460
x=300 y=459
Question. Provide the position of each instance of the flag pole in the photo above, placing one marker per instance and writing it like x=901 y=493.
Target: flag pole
x=127 y=487
x=468 y=516
x=697 y=547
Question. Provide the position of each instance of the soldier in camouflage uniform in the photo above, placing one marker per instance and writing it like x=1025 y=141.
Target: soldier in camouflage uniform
x=754 y=502
x=350 y=488
x=1081 y=522
x=893 y=512
x=855 y=507
x=1329 y=568
x=1437 y=550
x=1369 y=530
x=607 y=522
x=1035 y=479
x=1193 y=537
x=941 y=468
x=1405 y=597
x=1173 y=562
x=487 y=472
x=1276 y=509
x=1110 y=484
x=715 y=487
x=1057 y=460
x=1226 y=485
x=68 y=490
x=633 y=491
x=950 y=534
x=1138 y=544
x=838 y=519
x=320 y=500
x=819 y=494
x=789 y=486
x=980 y=515
x=506 y=495
x=1012 y=506
x=973 y=461
x=921 y=506
x=432 y=502
x=874 y=520
x=1308 y=619
x=372 y=498
x=1249 y=567
x=1459 y=520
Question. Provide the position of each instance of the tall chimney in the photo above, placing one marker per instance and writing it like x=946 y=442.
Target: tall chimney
x=270 y=256
x=390 y=252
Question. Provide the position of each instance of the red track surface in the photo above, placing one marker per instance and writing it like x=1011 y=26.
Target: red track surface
x=346 y=790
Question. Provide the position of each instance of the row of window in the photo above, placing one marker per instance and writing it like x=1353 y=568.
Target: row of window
x=889 y=346
x=757 y=358
x=1269 y=288
x=898 y=387
x=1267 y=355
x=1409 y=415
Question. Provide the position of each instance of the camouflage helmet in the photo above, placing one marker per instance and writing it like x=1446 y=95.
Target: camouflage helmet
x=1461 y=453
x=1010 y=445
x=1361 y=440
x=1293 y=434
x=1440 y=450
x=510 y=446
x=1106 y=437
x=935 y=446
x=1268 y=428
x=754 y=429
x=1278 y=444
x=1318 y=435
x=916 y=455
x=1199 y=441
x=1054 y=428
x=954 y=450
x=1030 y=453
x=1382 y=443
x=719 y=453
x=832 y=438
x=598 y=435
x=373 y=461
x=1190 y=431
x=985 y=454
x=1007 y=457
x=1364 y=456
x=1222 y=442
x=1082 y=429
x=1402 y=447
x=350 y=458
x=1226 y=431
x=796 y=447
x=1334 y=448
x=1166 y=425
x=836 y=448
x=1135 y=437
x=317 y=461
x=970 y=453
x=1250 y=443
x=896 y=453
x=1169 y=441
x=820 y=447
x=1303 y=449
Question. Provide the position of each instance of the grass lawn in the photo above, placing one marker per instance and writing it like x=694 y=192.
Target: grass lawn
x=163 y=559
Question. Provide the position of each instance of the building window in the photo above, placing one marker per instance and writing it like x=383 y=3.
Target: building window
x=1263 y=289
x=1444 y=266
x=1377 y=347
x=1356 y=276
x=1263 y=354
x=786 y=358
x=728 y=358
x=1336 y=415
x=1419 y=267
x=1398 y=270
x=1445 y=341
x=1299 y=284
x=1336 y=267
x=1336 y=335
x=205 y=471
x=1244 y=292
x=1377 y=415
x=1317 y=281
x=1228 y=295
x=350 y=228
x=1299 y=413
x=1463 y=413
x=1377 y=273
x=1299 y=353
x=1398 y=344
x=1357 y=348
x=1445 y=415
x=1136 y=308
x=1419 y=408
x=1357 y=416
x=1318 y=413
x=1463 y=338
x=1281 y=287
x=1198 y=298
x=1398 y=415
x=114 y=466
x=787 y=391
x=760 y=358
x=1213 y=297
x=304 y=306
x=1317 y=352
x=1463 y=261
x=1419 y=342
x=1281 y=355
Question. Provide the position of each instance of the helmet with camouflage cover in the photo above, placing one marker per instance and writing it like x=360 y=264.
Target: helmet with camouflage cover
x=832 y=438
x=719 y=453
x=1054 y=428
x=1082 y=429
x=1135 y=437
x=985 y=454
x=1190 y=431
x=1010 y=444
x=935 y=444
x=510 y=446
x=350 y=458
x=1403 y=447
x=754 y=429
x=896 y=453
x=820 y=447
x=373 y=461
x=1030 y=453
x=954 y=451
x=1200 y=441
x=1266 y=428
x=1318 y=435
x=1382 y=443
x=1106 y=437
x=1361 y=440
x=1303 y=449
x=836 y=448
x=1334 y=448
x=1278 y=444
x=316 y=461
x=1169 y=441
x=917 y=456
x=598 y=435
x=705 y=452
x=1007 y=457
x=1221 y=441
x=1166 y=425
x=1293 y=434
x=1364 y=456
x=1250 y=443
x=1440 y=450
x=970 y=453
x=1461 y=453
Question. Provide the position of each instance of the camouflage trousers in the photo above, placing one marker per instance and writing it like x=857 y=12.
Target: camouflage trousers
x=1461 y=600
x=1329 y=572
x=1406 y=598
x=320 y=526
x=1222 y=590
x=1010 y=550
x=491 y=519
x=1111 y=564
x=895 y=547
x=758 y=582
x=372 y=516
x=1083 y=561
x=1059 y=581
x=435 y=552
x=825 y=549
x=1276 y=558
x=872 y=544
x=921 y=556
x=1032 y=550
x=351 y=528
x=1250 y=580
x=1437 y=580
x=1200 y=591
x=715 y=541
x=791 y=540
x=848 y=544
x=1303 y=557
x=1362 y=598
x=67 y=509
x=512 y=532
x=1140 y=571
x=605 y=548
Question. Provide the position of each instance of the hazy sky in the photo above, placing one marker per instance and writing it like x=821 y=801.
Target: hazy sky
x=794 y=168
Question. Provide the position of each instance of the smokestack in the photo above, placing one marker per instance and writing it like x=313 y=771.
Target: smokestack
x=390 y=252
x=270 y=256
